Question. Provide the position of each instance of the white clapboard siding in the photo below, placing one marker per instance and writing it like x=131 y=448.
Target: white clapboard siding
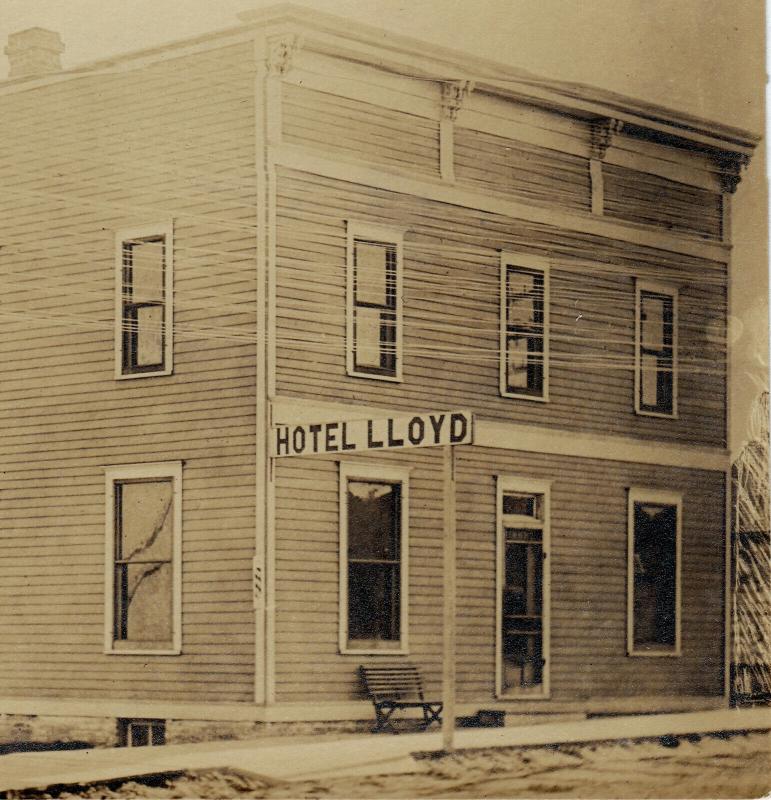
x=588 y=577
x=451 y=311
x=174 y=140
x=360 y=130
x=653 y=200
x=524 y=170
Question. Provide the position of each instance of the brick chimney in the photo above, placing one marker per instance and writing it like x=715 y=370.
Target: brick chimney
x=34 y=52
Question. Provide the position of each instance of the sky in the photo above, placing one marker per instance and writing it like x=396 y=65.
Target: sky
x=705 y=57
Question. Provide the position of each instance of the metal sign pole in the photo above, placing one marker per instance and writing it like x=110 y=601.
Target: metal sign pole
x=448 y=596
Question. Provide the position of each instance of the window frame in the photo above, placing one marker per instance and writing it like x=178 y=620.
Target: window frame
x=163 y=229
x=128 y=472
x=389 y=474
x=640 y=494
x=532 y=264
x=667 y=290
x=517 y=484
x=379 y=234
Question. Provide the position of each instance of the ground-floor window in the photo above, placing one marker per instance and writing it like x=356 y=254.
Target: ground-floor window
x=523 y=588
x=654 y=572
x=141 y=732
x=373 y=563
x=143 y=590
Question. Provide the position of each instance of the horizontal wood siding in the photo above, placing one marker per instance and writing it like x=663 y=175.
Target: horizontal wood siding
x=588 y=565
x=358 y=130
x=523 y=170
x=451 y=314
x=652 y=200
x=82 y=159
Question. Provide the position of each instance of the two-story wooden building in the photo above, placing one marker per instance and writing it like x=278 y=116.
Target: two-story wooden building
x=212 y=244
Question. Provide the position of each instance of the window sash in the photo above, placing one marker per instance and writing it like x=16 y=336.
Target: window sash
x=653 y=573
x=143 y=591
x=656 y=350
x=524 y=327
x=374 y=302
x=373 y=578
x=143 y=301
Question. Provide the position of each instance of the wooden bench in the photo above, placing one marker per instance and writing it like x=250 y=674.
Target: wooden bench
x=395 y=686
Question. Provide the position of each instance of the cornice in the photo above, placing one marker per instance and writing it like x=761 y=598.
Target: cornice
x=343 y=38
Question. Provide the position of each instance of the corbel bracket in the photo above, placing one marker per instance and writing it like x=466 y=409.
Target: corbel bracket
x=601 y=133
x=281 y=51
x=453 y=95
x=730 y=166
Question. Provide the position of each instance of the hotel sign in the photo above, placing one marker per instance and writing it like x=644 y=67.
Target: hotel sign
x=385 y=433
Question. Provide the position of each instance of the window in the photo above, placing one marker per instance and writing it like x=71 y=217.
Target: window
x=373 y=562
x=654 y=573
x=141 y=732
x=656 y=350
x=144 y=321
x=524 y=344
x=143 y=590
x=374 y=328
x=522 y=637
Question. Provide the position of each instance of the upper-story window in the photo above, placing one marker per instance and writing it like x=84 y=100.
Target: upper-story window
x=144 y=263
x=374 y=325
x=656 y=350
x=524 y=338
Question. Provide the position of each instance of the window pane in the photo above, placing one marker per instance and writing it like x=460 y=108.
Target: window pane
x=146 y=262
x=149 y=336
x=652 y=317
x=373 y=602
x=373 y=520
x=367 y=338
x=523 y=579
x=517 y=362
x=374 y=262
x=649 y=380
x=143 y=604
x=144 y=520
x=140 y=734
x=655 y=569
x=521 y=298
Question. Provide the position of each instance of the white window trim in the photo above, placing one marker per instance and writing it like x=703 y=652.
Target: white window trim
x=533 y=263
x=671 y=291
x=637 y=494
x=169 y=469
x=513 y=483
x=377 y=233
x=165 y=229
x=358 y=471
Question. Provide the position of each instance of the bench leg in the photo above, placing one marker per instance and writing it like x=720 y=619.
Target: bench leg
x=383 y=714
x=432 y=712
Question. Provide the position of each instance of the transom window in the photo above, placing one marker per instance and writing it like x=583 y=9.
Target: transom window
x=373 y=564
x=524 y=327
x=656 y=350
x=144 y=309
x=374 y=308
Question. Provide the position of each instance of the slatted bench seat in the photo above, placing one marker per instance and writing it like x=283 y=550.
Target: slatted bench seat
x=395 y=686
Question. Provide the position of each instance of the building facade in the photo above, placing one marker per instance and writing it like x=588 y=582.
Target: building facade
x=216 y=244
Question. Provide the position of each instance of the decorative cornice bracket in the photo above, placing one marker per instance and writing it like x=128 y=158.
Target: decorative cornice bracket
x=454 y=94
x=281 y=50
x=601 y=133
x=730 y=166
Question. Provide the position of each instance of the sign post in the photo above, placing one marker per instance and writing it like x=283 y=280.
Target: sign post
x=448 y=601
x=445 y=429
